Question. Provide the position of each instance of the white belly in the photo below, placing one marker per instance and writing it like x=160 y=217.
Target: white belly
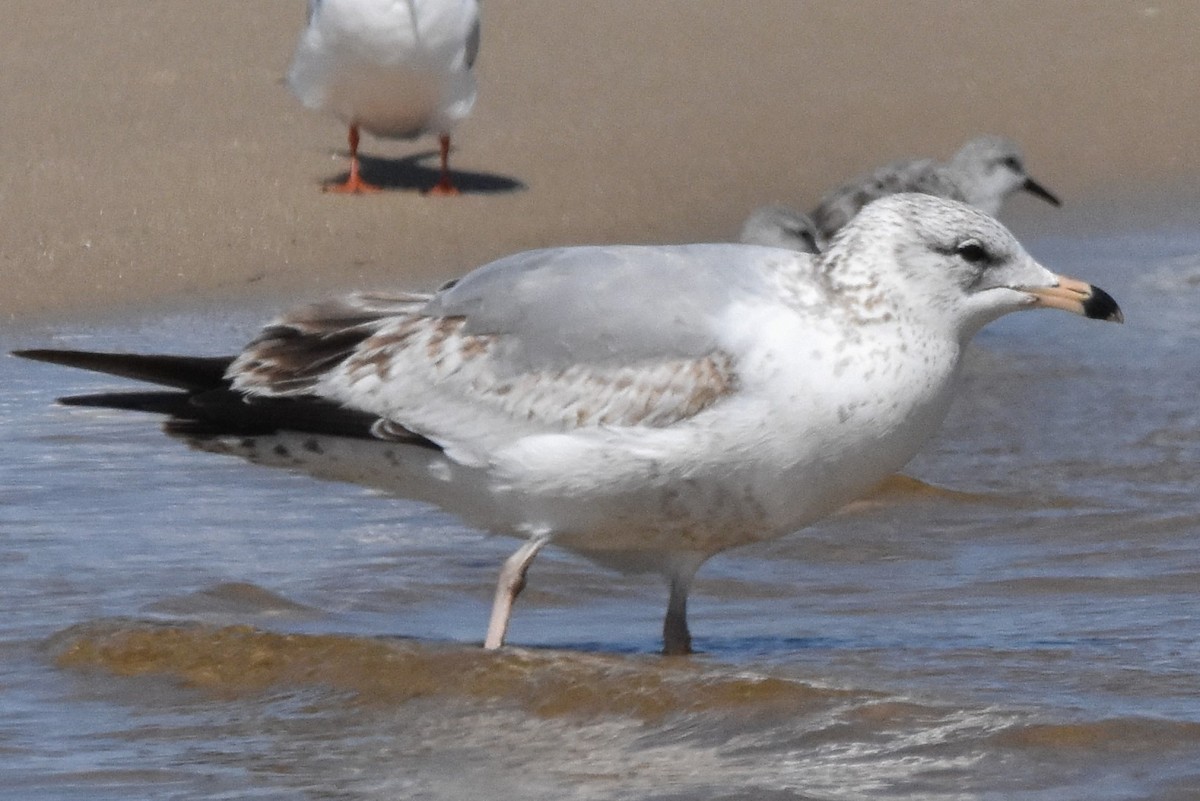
x=394 y=70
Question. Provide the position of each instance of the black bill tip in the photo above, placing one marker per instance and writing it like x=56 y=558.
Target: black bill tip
x=1101 y=306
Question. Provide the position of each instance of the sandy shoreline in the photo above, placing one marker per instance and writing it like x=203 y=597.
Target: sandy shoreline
x=153 y=156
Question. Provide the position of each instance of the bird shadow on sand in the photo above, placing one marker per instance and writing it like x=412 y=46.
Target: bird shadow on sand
x=419 y=172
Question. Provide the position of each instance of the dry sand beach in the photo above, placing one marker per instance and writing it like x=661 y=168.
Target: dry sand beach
x=152 y=156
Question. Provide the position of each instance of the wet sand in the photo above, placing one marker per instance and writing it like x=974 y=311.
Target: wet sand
x=243 y=660
x=152 y=157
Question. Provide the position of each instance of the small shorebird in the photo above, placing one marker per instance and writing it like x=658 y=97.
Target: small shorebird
x=778 y=226
x=983 y=173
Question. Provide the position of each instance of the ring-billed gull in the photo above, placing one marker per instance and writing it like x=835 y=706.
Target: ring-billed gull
x=647 y=406
x=780 y=227
x=983 y=173
x=396 y=69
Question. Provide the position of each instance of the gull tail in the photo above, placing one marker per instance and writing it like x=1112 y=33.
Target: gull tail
x=191 y=377
x=192 y=373
x=201 y=402
x=174 y=404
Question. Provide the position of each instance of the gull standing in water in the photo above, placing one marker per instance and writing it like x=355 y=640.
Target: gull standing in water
x=394 y=68
x=983 y=173
x=646 y=406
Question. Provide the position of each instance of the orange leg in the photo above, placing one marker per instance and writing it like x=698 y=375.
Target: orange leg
x=444 y=186
x=354 y=185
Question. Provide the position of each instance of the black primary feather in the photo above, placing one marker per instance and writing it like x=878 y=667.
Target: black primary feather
x=206 y=405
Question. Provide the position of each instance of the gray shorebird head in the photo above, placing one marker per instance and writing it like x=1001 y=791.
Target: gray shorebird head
x=990 y=168
x=780 y=227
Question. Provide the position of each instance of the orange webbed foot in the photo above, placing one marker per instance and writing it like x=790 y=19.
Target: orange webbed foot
x=352 y=186
x=443 y=188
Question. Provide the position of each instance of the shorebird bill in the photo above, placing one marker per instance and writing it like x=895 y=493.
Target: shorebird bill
x=1037 y=190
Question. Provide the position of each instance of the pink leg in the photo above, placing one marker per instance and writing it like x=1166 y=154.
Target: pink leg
x=677 y=640
x=509 y=586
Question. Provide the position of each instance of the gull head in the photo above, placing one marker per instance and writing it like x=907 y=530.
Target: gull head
x=924 y=260
x=987 y=169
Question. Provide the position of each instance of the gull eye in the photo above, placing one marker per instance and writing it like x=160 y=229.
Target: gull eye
x=1013 y=163
x=970 y=251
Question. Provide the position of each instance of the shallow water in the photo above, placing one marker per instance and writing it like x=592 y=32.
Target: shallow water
x=180 y=625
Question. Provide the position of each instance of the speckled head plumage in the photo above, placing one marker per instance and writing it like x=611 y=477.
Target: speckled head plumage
x=925 y=252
